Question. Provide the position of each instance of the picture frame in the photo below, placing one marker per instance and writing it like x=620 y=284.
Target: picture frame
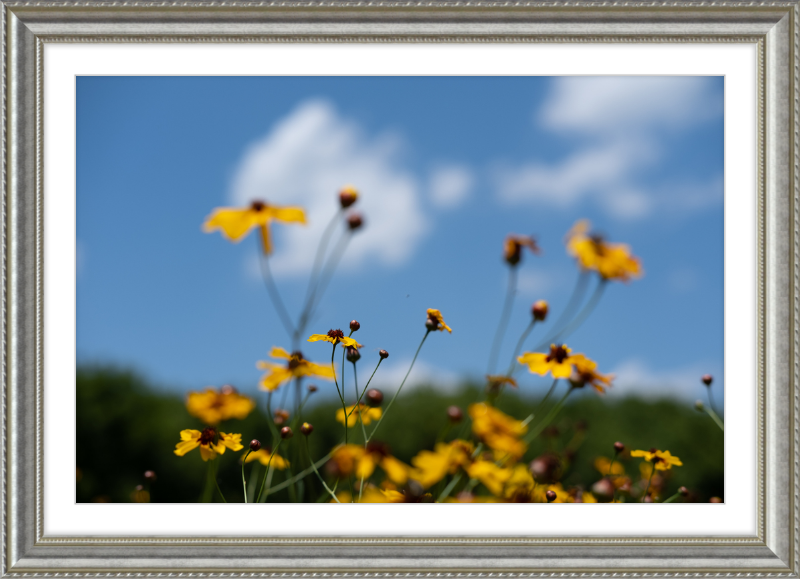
x=773 y=27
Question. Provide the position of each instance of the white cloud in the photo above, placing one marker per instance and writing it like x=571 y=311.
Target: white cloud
x=535 y=284
x=617 y=117
x=305 y=159
x=450 y=186
x=636 y=378
x=390 y=376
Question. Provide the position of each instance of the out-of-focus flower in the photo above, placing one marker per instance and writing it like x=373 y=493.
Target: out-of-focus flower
x=520 y=486
x=512 y=248
x=562 y=496
x=661 y=459
x=586 y=373
x=602 y=464
x=432 y=466
x=364 y=412
x=296 y=367
x=559 y=362
x=347 y=196
x=610 y=260
x=539 y=310
x=496 y=382
x=213 y=406
x=335 y=337
x=361 y=462
x=436 y=321
x=493 y=477
x=265 y=455
x=236 y=222
x=499 y=431
x=209 y=442
x=140 y=495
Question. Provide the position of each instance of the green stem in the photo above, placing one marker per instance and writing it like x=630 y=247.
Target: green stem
x=547 y=396
x=269 y=462
x=298 y=476
x=449 y=488
x=584 y=313
x=574 y=300
x=652 y=472
x=216 y=484
x=547 y=419
x=716 y=418
x=319 y=476
x=388 y=406
x=330 y=268
x=672 y=499
x=341 y=393
x=272 y=290
x=244 y=482
x=360 y=416
x=504 y=316
x=518 y=347
x=365 y=388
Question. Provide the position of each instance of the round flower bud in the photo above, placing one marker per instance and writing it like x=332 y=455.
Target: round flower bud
x=551 y=496
x=347 y=196
x=431 y=324
x=648 y=499
x=699 y=406
x=150 y=476
x=383 y=354
x=374 y=397
x=618 y=447
x=286 y=432
x=227 y=389
x=715 y=500
x=707 y=379
x=355 y=221
x=455 y=414
x=539 y=310
x=355 y=326
x=683 y=491
x=312 y=388
x=306 y=428
x=138 y=488
x=255 y=445
x=603 y=488
x=352 y=354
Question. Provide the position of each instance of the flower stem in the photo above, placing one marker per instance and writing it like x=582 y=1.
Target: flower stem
x=652 y=472
x=549 y=418
x=340 y=392
x=274 y=295
x=298 y=476
x=717 y=419
x=329 y=270
x=518 y=347
x=449 y=488
x=244 y=482
x=504 y=316
x=319 y=476
x=672 y=499
x=365 y=387
x=360 y=415
x=388 y=406
x=547 y=396
x=269 y=462
x=584 y=313
x=575 y=299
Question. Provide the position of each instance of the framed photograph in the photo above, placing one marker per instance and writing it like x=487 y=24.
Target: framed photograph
x=550 y=249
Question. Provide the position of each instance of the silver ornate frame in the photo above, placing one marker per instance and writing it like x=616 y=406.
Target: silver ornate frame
x=774 y=26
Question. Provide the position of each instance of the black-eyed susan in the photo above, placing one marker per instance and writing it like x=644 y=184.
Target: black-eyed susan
x=358 y=412
x=661 y=459
x=335 y=337
x=512 y=247
x=497 y=430
x=295 y=367
x=558 y=362
x=432 y=466
x=435 y=321
x=214 y=406
x=211 y=442
x=585 y=373
x=361 y=462
x=236 y=222
x=612 y=261
x=265 y=455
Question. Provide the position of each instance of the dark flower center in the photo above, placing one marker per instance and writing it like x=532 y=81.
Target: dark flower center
x=379 y=448
x=258 y=205
x=336 y=335
x=295 y=360
x=557 y=353
x=207 y=436
x=599 y=243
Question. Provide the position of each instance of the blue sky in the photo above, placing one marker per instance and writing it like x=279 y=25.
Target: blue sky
x=446 y=166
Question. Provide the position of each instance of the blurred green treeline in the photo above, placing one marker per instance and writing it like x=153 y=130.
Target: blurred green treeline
x=125 y=427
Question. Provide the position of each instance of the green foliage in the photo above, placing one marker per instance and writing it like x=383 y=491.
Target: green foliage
x=125 y=427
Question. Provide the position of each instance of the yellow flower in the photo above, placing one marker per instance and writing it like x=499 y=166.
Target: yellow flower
x=436 y=320
x=296 y=367
x=431 y=467
x=520 y=486
x=512 y=248
x=585 y=373
x=366 y=413
x=610 y=260
x=335 y=337
x=496 y=381
x=212 y=406
x=264 y=455
x=210 y=445
x=499 y=431
x=602 y=464
x=235 y=222
x=558 y=362
x=661 y=459
x=492 y=476
x=361 y=462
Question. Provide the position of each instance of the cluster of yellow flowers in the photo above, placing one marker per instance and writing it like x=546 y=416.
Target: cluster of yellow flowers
x=484 y=462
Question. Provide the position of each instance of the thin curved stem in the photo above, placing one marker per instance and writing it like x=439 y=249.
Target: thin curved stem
x=274 y=295
x=360 y=415
x=519 y=345
x=266 y=475
x=584 y=313
x=511 y=290
x=574 y=300
x=244 y=482
x=652 y=472
x=341 y=393
x=549 y=418
x=319 y=476
x=365 y=387
x=298 y=476
x=328 y=271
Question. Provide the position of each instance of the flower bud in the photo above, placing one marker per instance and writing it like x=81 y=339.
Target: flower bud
x=255 y=445
x=281 y=416
x=138 y=488
x=715 y=500
x=286 y=432
x=431 y=324
x=455 y=414
x=707 y=379
x=150 y=476
x=648 y=499
x=551 y=496
x=227 y=389
x=312 y=388
x=352 y=354
x=355 y=221
x=374 y=397
x=306 y=428
x=355 y=326
x=683 y=491
x=383 y=354
x=618 y=447
x=539 y=310
x=347 y=196
x=699 y=406
x=604 y=489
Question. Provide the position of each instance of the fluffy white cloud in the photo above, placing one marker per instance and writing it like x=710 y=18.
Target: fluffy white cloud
x=618 y=119
x=450 y=186
x=305 y=159
x=390 y=376
x=636 y=378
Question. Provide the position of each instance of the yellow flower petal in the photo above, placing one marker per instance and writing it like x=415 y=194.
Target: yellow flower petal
x=234 y=223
